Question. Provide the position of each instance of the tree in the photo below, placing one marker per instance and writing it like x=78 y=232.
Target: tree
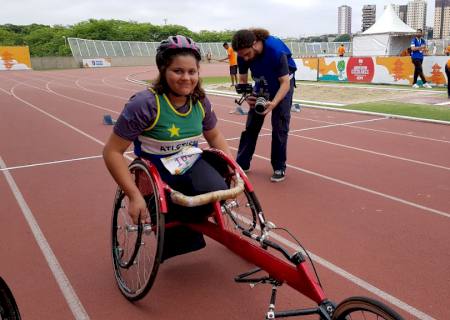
x=8 y=38
x=343 y=38
x=45 y=40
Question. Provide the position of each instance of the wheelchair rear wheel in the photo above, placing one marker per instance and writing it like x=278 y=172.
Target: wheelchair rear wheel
x=137 y=249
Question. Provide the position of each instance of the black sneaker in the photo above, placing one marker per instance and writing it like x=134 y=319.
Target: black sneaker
x=278 y=175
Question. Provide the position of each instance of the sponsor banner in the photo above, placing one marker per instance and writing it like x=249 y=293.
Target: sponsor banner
x=360 y=69
x=381 y=70
x=333 y=69
x=400 y=70
x=97 y=63
x=307 y=69
x=14 y=58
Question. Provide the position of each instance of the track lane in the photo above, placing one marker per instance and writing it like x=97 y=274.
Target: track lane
x=266 y=165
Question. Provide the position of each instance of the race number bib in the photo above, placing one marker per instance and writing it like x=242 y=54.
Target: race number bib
x=181 y=161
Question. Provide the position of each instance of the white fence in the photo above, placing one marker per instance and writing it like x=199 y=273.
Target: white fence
x=84 y=48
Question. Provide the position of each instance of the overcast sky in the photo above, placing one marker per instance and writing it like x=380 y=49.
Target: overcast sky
x=281 y=17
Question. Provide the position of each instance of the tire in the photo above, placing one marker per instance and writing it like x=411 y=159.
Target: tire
x=137 y=250
x=241 y=213
x=355 y=308
x=8 y=306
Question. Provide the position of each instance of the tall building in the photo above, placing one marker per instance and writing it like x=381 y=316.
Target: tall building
x=441 y=19
x=369 y=15
x=344 y=20
x=400 y=10
x=403 y=12
x=417 y=14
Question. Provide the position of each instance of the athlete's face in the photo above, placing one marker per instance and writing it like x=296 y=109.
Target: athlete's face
x=248 y=53
x=182 y=75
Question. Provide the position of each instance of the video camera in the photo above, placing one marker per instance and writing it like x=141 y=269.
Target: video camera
x=262 y=94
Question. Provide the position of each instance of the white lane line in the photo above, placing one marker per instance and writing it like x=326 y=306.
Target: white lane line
x=77 y=83
x=356 y=127
x=57 y=162
x=374 y=152
x=358 y=281
x=48 y=90
x=401 y=134
x=354 y=111
x=232 y=94
x=80 y=101
x=116 y=87
x=63 y=282
x=49 y=163
x=306 y=171
x=340 y=145
x=7 y=92
x=341 y=124
x=443 y=103
x=56 y=118
x=358 y=187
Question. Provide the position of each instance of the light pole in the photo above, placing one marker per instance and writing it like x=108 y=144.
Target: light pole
x=65 y=40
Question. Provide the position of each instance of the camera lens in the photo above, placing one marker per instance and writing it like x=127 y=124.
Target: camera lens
x=260 y=105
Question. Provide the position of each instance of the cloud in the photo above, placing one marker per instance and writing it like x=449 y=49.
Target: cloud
x=281 y=17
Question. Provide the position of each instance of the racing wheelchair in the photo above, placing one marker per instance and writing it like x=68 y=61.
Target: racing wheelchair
x=8 y=306
x=238 y=223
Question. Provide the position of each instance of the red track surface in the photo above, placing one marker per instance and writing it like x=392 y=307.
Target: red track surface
x=369 y=195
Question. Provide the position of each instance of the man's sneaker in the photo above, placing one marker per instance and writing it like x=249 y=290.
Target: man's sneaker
x=278 y=175
x=415 y=86
x=426 y=85
x=239 y=110
x=295 y=107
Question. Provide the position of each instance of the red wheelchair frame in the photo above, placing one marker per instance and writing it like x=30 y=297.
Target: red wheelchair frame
x=250 y=244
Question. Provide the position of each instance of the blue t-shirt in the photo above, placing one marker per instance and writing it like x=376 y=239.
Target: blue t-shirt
x=417 y=43
x=274 y=62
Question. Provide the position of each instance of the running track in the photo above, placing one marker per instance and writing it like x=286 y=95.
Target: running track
x=368 y=197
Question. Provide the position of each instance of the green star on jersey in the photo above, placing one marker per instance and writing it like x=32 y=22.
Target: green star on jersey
x=174 y=131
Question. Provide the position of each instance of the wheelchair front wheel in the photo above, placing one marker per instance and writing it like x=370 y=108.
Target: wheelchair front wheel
x=8 y=306
x=365 y=309
x=137 y=250
x=241 y=212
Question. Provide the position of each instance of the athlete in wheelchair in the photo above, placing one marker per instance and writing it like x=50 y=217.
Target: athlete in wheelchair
x=170 y=116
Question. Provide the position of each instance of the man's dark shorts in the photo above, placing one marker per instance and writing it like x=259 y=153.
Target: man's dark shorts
x=233 y=69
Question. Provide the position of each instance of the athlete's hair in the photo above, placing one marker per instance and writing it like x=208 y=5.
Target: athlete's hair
x=245 y=38
x=225 y=44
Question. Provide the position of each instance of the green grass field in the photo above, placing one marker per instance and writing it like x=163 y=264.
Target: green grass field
x=404 y=109
x=215 y=80
x=374 y=85
x=387 y=107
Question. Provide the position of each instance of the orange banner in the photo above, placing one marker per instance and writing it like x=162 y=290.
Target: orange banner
x=14 y=58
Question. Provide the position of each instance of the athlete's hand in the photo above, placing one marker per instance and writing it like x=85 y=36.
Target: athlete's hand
x=138 y=207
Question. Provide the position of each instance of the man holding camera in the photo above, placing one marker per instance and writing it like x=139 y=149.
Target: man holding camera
x=272 y=67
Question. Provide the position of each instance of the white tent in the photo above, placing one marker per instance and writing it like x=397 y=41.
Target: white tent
x=388 y=36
